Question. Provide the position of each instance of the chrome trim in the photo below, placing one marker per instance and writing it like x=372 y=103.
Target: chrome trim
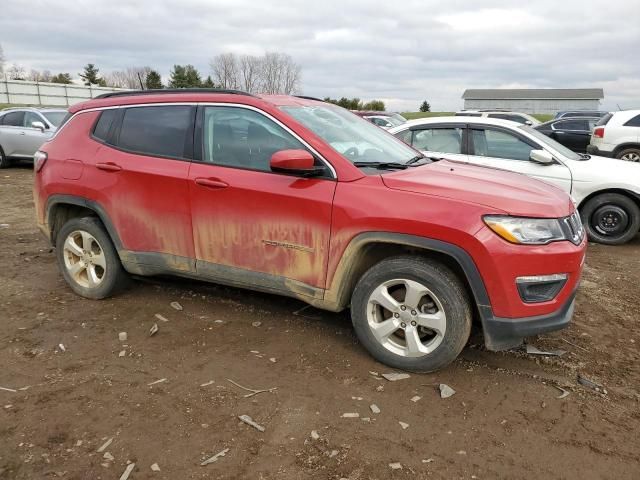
x=211 y=104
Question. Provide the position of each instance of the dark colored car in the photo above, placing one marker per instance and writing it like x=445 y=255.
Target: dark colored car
x=580 y=113
x=572 y=132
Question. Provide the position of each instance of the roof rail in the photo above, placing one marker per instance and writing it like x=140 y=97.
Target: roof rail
x=309 y=98
x=166 y=91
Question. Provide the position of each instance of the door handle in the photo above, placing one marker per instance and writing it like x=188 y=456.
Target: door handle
x=108 y=167
x=211 y=183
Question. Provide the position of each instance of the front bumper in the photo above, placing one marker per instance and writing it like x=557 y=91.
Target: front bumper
x=593 y=150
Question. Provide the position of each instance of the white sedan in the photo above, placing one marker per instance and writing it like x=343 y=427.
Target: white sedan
x=606 y=190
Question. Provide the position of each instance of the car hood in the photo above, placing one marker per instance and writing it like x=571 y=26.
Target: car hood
x=508 y=192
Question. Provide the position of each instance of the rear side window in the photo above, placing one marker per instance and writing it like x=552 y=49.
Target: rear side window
x=156 y=131
x=571 y=125
x=506 y=116
x=103 y=125
x=444 y=140
x=634 y=122
x=13 y=119
x=463 y=114
x=604 y=120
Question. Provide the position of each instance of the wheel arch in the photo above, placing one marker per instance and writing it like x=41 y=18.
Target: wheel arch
x=624 y=146
x=620 y=191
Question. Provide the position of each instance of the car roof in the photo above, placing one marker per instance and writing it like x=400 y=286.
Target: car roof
x=191 y=95
x=498 y=122
x=31 y=109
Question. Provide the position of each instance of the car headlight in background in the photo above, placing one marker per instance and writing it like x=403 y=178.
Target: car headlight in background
x=532 y=231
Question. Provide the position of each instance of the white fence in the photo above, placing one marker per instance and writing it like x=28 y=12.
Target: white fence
x=50 y=94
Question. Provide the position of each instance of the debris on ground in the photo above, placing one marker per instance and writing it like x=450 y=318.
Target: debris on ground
x=395 y=466
x=104 y=446
x=122 y=353
x=155 y=467
x=215 y=457
x=256 y=324
x=404 y=425
x=5 y=389
x=249 y=421
x=392 y=377
x=366 y=419
x=157 y=381
x=162 y=319
x=427 y=460
x=128 y=471
x=351 y=415
x=574 y=345
x=108 y=456
x=154 y=330
x=461 y=452
x=585 y=382
x=533 y=350
x=252 y=390
x=218 y=321
x=273 y=360
x=314 y=434
x=176 y=306
x=306 y=307
x=416 y=398
x=62 y=347
x=356 y=398
x=379 y=388
x=210 y=382
x=4 y=225
x=446 y=391
x=565 y=393
x=122 y=336
x=374 y=408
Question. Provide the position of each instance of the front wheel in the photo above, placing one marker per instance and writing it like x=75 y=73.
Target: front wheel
x=411 y=313
x=611 y=218
x=629 y=154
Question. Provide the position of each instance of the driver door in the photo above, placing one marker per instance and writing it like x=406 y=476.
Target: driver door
x=500 y=148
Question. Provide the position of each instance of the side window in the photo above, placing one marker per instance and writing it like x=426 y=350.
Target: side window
x=463 y=114
x=103 y=125
x=157 y=131
x=243 y=138
x=506 y=116
x=575 y=125
x=405 y=136
x=634 y=122
x=29 y=118
x=444 y=140
x=498 y=144
x=13 y=119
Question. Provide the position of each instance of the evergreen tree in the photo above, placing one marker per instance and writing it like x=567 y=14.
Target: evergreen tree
x=153 y=81
x=425 y=107
x=90 y=76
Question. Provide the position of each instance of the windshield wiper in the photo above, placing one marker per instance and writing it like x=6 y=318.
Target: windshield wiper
x=585 y=156
x=382 y=165
x=415 y=159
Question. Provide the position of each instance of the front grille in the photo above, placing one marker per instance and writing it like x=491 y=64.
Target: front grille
x=574 y=227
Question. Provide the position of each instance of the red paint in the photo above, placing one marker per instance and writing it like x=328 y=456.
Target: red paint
x=292 y=160
x=299 y=227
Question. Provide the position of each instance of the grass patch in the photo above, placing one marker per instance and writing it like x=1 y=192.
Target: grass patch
x=414 y=115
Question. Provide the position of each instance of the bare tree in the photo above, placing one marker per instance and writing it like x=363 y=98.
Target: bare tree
x=280 y=74
x=16 y=72
x=128 y=78
x=250 y=73
x=1 y=61
x=225 y=70
x=38 y=76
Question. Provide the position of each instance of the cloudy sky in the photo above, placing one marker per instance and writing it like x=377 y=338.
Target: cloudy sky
x=399 y=51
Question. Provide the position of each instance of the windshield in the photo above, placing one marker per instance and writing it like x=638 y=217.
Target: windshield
x=351 y=136
x=55 y=118
x=398 y=119
x=549 y=142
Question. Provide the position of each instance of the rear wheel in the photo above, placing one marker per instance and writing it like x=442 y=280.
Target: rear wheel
x=4 y=161
x=611 y=218
x=629 y=154
x=88 y=260
x=411 y=313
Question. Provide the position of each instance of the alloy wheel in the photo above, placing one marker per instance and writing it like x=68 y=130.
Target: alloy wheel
x=631 y=157
x=84 y=259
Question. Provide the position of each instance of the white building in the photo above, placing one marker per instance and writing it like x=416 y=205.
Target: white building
x=534 y=100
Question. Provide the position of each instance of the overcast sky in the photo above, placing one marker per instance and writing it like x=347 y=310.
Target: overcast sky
x=401 y=51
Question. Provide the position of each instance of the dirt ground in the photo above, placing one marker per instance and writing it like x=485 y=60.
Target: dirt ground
x=505 y=420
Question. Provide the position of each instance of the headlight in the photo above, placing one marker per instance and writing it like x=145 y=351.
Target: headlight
x=530 y=231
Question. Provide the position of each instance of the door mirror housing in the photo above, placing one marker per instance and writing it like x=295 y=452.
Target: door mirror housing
x=39 y=125
x=295 y=162
x=542 y=157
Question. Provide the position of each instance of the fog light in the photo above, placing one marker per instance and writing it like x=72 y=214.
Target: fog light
x=540 y=288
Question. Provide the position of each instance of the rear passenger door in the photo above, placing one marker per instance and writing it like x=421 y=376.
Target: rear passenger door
x=573 y=134
x=253 y=226
x=12 y=134
x=140 y=173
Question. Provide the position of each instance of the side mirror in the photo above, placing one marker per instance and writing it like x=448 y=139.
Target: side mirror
x=528 y=122
x=541 y=156
x=39 y=125
x=295 y=162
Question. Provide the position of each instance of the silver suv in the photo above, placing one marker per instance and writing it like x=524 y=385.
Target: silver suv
x=24 y=130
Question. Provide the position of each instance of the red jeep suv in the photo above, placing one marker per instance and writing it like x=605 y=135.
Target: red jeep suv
x=299 y=197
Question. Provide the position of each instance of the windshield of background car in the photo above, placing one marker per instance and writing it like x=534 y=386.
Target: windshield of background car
x=542 y=138
x=397 y=119
x=351 y=136
x=55 y=118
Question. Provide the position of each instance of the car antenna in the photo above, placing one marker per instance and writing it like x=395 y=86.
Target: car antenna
x=140 y=80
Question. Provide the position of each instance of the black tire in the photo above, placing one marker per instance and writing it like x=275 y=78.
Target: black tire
x=611 y=218
x=4 y=161
x=113 y=276
x=630 y=154
x=443 y=283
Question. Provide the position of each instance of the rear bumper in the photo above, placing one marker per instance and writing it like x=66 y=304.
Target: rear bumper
x=593 y=150
x=506 y=333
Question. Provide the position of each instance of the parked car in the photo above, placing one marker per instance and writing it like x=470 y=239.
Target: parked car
x=518 y=117
x=302 y=198
x=580 y=113
x=384 y=120
x=606 y=191
x=572 y=132
x=24 y=130
x=617 y=135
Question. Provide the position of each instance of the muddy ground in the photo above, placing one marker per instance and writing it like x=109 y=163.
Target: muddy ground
x=505 y=421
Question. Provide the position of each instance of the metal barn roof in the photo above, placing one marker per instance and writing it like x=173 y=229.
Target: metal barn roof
x=533 y=93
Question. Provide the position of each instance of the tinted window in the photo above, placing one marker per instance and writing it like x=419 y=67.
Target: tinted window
x=494 y=143
x=13 y=119
x=634 y=122
x=55 y=118
x=156 y=131
x=381 y=122
x=444 y=140
x=604 y=120
x=506 y=116
x=463 y=114
x=103 y=125
x=405 y=136
x=243 y=138
x=571 y=125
